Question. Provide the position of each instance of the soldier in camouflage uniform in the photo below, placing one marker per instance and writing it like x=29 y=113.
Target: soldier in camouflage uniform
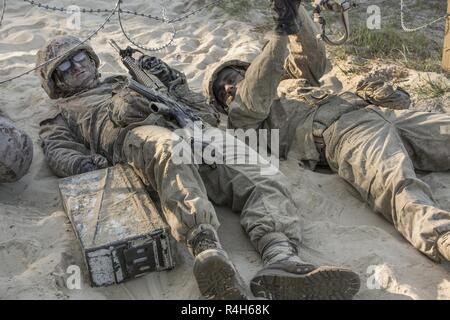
x=100 y=122
x=368 y=138
x=16 y=151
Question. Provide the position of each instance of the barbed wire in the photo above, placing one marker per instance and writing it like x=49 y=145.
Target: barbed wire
x=127 y=12
x=94 y=33
x=141 y=46
x=405 y=28
x=117 y=9
x=87 y=10
x=163 y=19
x=3 y=12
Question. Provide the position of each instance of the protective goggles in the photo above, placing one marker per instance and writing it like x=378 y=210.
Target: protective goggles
x=67 y=64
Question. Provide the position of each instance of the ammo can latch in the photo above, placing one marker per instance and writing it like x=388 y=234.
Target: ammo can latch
x=132 y=262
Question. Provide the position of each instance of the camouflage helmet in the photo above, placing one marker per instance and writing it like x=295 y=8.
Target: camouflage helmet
x=211 y=75
x=16 y=151
x=55 y=47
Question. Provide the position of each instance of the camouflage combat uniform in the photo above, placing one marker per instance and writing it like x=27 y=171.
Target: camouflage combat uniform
x=375 y=149
x=16 y=151
x=110 y=122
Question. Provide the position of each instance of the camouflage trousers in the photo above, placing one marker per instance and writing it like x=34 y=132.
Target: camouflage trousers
x=377 y=151
x=188 y=191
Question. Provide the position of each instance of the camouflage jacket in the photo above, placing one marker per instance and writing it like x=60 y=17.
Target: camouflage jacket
x=94 y=122
x=270 y=97
x=301 y=116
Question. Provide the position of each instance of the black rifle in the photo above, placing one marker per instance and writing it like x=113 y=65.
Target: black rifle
x=154 y=90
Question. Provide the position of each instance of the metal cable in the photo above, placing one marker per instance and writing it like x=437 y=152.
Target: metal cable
x=111 y=13
x=3 y=12
x=405 y=28
x=94 y=33
x=141 y=46
x=163 y=19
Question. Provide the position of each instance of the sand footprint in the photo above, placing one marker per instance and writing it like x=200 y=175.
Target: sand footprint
x=17 y=255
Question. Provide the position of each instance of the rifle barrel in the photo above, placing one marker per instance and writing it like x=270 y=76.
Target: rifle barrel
x=114 y=45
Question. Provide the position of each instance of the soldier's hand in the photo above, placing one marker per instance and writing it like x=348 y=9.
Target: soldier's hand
x=86 y=165
x=100 y=161
x=285 y=14
x=160 y=69
x=92 y=163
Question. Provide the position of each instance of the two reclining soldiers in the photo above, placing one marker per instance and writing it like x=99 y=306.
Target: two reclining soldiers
x=367 y=138
x=101 y=122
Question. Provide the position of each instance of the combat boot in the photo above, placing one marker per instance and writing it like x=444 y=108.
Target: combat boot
x=443 y=245
x=286 y=277
x=290 y=280
x=217 y=277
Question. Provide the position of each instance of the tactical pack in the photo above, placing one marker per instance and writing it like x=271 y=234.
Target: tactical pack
x=121 y=233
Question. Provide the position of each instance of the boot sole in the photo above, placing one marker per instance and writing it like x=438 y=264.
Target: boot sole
x=324 y=283
x=217 y=278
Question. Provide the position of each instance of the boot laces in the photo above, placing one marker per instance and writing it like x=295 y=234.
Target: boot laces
x=204 y=241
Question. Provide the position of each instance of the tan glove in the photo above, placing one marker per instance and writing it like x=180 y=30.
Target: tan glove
x=383 y=94
x=285 y=14
x=92 y=163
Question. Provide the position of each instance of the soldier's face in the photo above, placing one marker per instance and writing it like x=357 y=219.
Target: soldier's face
x=225 y=86
x=78 y=71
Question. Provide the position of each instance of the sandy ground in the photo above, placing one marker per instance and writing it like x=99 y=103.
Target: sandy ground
x=37 y=243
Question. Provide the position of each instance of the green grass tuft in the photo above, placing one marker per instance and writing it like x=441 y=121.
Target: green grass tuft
x=432 y=88
x=413 y=50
